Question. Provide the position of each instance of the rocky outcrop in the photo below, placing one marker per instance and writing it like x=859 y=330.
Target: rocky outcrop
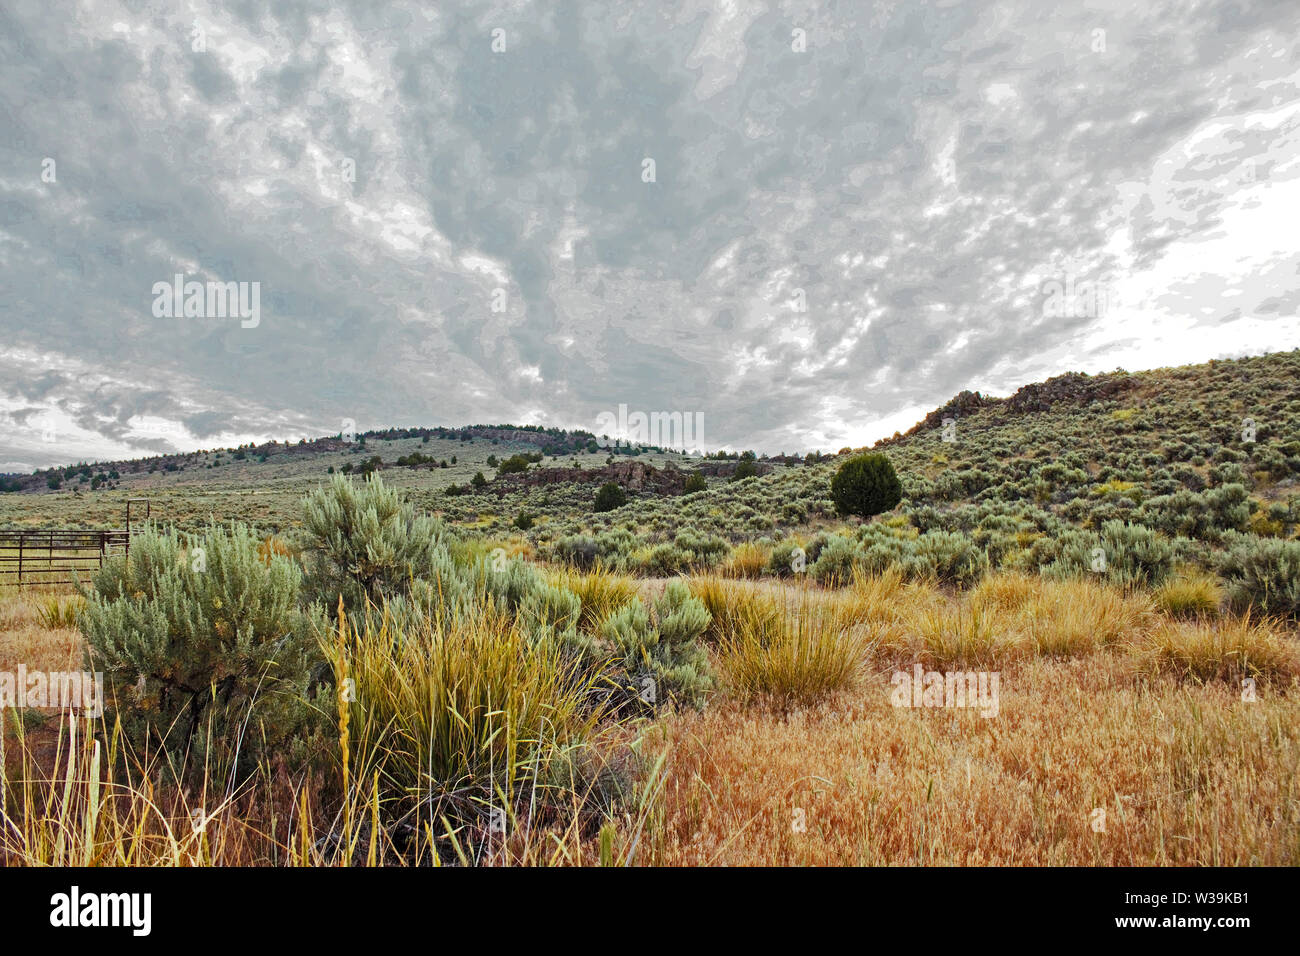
x=634 y=476
x=962 y=404
x=1072 y=388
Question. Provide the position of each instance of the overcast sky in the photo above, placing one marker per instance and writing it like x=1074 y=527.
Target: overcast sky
x=856 y=210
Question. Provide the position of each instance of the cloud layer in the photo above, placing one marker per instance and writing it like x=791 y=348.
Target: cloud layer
x=856 y=210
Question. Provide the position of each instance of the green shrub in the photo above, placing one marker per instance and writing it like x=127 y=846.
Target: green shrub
x=1204 y=515
x=695 y=482
x=837 y=558
x=664 y=559
x=788 y=558
x=1125 y=554
x=881 y=547
x=745 y=468
x=579 y=550
x=205 y=652
x=700 y=550
x=950 y=557
x=665 y=662
x=512 y=465
x=866 y=485
x=1262 y=573
x=365 y=542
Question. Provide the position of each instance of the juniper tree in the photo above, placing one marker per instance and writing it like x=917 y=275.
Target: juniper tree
x=866 y=485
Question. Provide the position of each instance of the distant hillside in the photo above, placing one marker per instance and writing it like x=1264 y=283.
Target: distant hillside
x=550 y=441
x=1193 y=452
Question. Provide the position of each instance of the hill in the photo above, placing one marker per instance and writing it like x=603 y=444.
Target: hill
x=1194 y=453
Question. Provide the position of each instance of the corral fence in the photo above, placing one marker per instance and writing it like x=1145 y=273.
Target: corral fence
x=35 y=556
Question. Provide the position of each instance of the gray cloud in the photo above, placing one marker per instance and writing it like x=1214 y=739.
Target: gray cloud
x=914 y=176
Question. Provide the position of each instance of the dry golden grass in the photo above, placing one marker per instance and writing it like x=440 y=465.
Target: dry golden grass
x=601 y=592
x=961 y=634
x=737 y=607
x=1230 y=650
x=24 y=639
x=273 y=546
x=1072 y=617
x=1185 y=775
x=1006 y=617
x=747 y=560
x=1104 y=705
x=1195 y=595
x=880 y=600
x=1005 y=592
x=1095 y=714
x=797 y=656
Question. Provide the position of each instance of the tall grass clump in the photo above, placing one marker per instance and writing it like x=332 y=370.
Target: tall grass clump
x=747 y=560
x=963 y=634
x=1189 y=596
x=467 y=725
x=733 y=607
x=56 y=612
x=1076 y=616
x=599 y=591
x=876 y=599
x=798 y=657
x=1230 y=649
x=1006 y=591
x=84 y=799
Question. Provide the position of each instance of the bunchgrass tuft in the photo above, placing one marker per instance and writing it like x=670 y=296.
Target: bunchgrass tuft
x=1231 y=649
x=747 y=560
x=1190 y=596
x=799 y=655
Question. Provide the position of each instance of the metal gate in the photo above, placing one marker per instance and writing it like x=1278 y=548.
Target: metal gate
x=55 y=556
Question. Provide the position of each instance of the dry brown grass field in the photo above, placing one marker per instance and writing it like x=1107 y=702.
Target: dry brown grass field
x=1122 y=736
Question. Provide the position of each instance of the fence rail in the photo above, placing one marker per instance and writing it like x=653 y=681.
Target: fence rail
x=38 y=556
